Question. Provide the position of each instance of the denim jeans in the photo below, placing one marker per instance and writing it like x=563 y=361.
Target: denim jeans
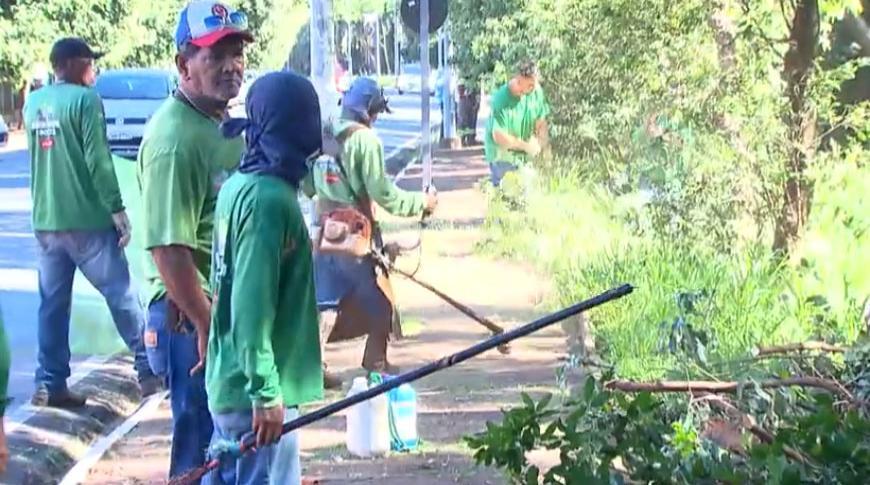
x=498 y=170
x=172 y=354
x=343 y=278
x=277 y=464
x=97 y=255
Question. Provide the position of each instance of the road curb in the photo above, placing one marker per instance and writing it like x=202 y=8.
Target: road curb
x=51 y=441
x=409 y=154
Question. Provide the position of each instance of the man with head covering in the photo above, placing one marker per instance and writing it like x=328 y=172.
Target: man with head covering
x=264 y=352
x=357 y=287
x=182 y=162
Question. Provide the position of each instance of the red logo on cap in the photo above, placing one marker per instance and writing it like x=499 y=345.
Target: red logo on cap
x=220 y=11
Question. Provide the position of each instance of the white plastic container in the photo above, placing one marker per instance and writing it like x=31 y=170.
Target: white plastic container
x=368 y=425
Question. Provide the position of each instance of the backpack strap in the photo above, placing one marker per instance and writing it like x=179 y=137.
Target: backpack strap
x=363 y=204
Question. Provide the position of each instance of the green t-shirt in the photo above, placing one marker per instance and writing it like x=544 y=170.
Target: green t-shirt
x=182 y=162
x=363 y=159
x=72 y=181
x=264 y=344
x=514 y=116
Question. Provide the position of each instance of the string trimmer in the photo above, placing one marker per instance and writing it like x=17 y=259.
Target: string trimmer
x=236 y=450
x=388 y=259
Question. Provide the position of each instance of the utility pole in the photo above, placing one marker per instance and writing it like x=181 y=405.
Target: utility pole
x=323 y=57
x=397 y=26
x=448 y=117
x=378 y=44
x=426 y=146
x=348 y=40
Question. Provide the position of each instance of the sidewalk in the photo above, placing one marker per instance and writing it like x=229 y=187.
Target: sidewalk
x=452 y=403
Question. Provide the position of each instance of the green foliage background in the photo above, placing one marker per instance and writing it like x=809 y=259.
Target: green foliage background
x=132 y=32
x=673 y=138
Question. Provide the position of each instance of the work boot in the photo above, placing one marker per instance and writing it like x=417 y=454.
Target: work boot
x=150 y=385
x=383 y=367
x=64 y=399
x=331 y=381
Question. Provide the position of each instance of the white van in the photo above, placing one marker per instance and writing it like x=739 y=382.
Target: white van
x=130 y=98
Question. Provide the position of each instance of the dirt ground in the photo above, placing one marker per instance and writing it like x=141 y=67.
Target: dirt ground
x=452 y=403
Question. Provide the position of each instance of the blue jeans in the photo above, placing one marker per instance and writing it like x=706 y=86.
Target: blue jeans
x=277 y=464
x=498 y=170
x=351 y=280
x=172 y=354
x=97 y=255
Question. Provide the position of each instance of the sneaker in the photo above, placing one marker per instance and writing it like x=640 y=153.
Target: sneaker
x=150 y=385
x=65 y=399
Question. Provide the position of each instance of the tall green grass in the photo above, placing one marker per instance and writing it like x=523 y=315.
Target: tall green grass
x=581 y=235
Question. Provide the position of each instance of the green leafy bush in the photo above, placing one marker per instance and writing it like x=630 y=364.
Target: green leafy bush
x=606 y=437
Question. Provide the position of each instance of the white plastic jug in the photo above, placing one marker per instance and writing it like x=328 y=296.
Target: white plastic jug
x=368 y=424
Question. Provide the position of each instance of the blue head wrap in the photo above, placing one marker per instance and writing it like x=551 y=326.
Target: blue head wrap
x=282 y=131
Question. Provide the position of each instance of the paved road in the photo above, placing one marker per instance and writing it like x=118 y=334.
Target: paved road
x=92 y=333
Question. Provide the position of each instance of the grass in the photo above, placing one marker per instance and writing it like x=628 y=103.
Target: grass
x=576 y=232
x=412 y=327
x=92 y=328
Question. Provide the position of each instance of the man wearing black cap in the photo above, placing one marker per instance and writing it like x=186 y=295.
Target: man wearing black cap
x=182 y=163
x=78 y=217
x=358 y=287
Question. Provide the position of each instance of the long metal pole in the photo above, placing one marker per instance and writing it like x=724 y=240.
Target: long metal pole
x=426 y=145
x=449 y=117
x=241 y=447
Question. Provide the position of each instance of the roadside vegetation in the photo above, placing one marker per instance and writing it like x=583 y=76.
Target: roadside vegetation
x=714 y=154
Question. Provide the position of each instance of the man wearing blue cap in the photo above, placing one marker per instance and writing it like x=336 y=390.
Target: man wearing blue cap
x=358 y=287
x=182 y=162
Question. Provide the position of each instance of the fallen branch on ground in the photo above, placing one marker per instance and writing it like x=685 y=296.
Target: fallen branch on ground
x=800 y=347
x=726 y=387
x=750 y=424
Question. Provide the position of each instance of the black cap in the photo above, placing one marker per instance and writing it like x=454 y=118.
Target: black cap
x=72 y=48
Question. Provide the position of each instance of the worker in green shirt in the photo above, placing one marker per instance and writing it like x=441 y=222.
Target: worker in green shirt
x=5 y=362
x=357 y=287
x=516 y=131
x=78 y=219
x=182 y=162
x=264 y=351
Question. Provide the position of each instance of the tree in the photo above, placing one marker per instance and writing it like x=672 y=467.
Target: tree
x=798 y=68
x=258 y=12
x=752 y=80
x=132 y=32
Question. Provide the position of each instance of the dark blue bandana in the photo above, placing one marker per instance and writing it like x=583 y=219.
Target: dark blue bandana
x=282 y=130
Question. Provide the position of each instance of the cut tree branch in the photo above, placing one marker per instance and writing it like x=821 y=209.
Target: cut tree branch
x=725 y=387
x=800 y=347
x=750 y=424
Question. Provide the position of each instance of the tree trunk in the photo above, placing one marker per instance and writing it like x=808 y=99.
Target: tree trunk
x=798 y=189
x=323 y=57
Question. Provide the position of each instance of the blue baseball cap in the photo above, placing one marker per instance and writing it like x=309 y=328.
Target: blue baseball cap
x=204 y=23
x=365 y=96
